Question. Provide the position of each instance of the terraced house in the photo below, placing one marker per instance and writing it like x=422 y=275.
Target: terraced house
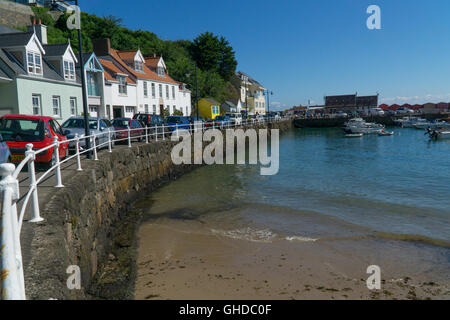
x=137 y=84
x=37 y=78
x=252 y=94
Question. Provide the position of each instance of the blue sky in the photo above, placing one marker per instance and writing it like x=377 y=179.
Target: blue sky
x=303 y=50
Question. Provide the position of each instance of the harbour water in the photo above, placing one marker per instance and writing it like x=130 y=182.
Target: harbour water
x=391 y=192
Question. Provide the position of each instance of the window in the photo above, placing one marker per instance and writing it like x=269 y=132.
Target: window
x=56 y=102
x=161 y=72
x=139 y=66
x=73 y=106
x=129 y=109
x=173 y=93
x=146 y=109
x=36 y=104
x=160 y=91
x=153 y=91
x=93 y=110
x=145 y=89
x=154 y=109
x=168 y=109
x=122 y=85
x=167 y=92
x=34 y=62
x=69 y=70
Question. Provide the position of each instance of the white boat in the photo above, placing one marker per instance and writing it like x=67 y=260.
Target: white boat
x=386 y=133
x=354 y=135
x=409 y=122
x=432 y=125
x=358 y=125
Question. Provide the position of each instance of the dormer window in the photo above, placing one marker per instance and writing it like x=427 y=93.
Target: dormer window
x=34 y=62
x=122 y=85
x=69 y=70
x=161 y=72
x=139 y=66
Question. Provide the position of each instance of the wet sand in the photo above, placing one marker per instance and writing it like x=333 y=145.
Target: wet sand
x=185 y=263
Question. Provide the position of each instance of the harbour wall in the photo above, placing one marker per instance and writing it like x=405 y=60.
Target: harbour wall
x=89 y=224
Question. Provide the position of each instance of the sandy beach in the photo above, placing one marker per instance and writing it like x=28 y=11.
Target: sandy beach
x=174 y=263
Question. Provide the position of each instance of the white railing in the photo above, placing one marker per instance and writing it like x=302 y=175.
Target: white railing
x=11 y=267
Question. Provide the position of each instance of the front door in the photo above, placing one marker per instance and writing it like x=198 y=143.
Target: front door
x=161 y=110
x=117 y=112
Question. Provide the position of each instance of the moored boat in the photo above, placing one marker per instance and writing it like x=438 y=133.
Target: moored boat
x=358 y=125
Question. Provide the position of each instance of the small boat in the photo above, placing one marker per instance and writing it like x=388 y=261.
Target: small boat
x=354 y=135
x=409 y=122
x=438 y=134
x=384 y=133
x=436 y=124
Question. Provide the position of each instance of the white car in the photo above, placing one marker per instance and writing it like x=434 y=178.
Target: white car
x=376 y=112
x=236 y=118
x=404 y=111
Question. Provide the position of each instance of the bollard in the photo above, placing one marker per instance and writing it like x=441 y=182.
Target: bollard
x=11 y=271
x=33 y=186
x=58 y=165
x=129 y=137
x=77 y=147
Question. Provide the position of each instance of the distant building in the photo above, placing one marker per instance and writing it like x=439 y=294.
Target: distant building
x=252 y=94
x=351 y=102
x=234 y=106
x=208 y=108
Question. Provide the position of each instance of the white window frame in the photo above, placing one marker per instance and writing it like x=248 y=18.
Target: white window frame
x=123 y=88
x=145 y=89
x=39 y=105
x=147 y=110
x=139 y=66
x=167 y=92
x=160 y=91
x=58 y=107
x=173 y=92
x=73 y=109
x=153 y=90
x=32 y=66
x=69 y=70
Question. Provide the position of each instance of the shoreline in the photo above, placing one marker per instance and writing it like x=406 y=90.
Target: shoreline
x=178 y=263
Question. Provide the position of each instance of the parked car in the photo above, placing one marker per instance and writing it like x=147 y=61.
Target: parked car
x=101 y=127
x=194 y=120
x=404 y=111
x=177 y=123
x=390 y=112
x=121 y=128
x=224 y=121
x=213 y=123
x=5 y=154
x=236 y=118
x=376 y=112
x=149 y=120
x=20 y=130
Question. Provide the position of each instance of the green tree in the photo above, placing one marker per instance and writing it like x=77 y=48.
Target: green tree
x=212 y=53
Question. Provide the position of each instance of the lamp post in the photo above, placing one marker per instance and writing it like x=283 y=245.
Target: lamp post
x=269 y=93
x=196 y=89
x=82 y=71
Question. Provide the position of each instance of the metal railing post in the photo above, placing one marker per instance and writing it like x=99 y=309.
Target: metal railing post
x=32 y=174
x=11 y=269
x=77 y=147
x=129 y=137
x=156 y=135
x=94 y=143
x=109 y=141
x=146 y=134
x=58 y=164
x=164 y=133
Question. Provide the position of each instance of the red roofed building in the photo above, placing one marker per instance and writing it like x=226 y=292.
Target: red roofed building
x=135 y=84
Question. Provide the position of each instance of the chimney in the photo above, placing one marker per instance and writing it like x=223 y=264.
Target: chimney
x=40 y=30
x=102 y=47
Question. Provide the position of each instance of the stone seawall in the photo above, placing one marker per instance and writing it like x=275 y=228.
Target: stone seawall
x=88 y=223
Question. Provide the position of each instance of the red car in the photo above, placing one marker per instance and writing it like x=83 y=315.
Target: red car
x=19 y=130
x=122 y=124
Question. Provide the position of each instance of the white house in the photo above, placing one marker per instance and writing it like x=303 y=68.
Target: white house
x=252 y=94
x=135 y=84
